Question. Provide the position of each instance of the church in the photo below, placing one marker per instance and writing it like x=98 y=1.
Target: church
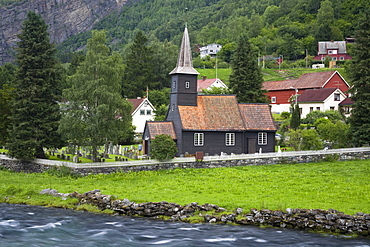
x=212 y=124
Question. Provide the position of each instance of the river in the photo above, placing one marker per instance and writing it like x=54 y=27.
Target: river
x=22 y=225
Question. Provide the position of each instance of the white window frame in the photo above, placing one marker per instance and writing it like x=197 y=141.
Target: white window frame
x=198 y=139
x=174 y=85
x=187 y=84
x=142 y=112
x=336 y=96
x=262 y=138
x=273 y=99
x=148 y=112
x=230 y=139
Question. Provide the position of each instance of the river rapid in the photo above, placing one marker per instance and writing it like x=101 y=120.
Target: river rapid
x=22 y=225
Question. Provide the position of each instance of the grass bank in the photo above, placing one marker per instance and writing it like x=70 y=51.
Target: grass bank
x=342 y=186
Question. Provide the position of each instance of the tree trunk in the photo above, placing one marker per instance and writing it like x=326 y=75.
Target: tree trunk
x=39 y=153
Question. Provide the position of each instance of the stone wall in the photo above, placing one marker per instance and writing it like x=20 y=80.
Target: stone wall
x=330 y=220
x=21 y=166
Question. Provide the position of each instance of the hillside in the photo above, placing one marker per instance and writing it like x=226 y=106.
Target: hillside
x=65 y=19
x=287 y=27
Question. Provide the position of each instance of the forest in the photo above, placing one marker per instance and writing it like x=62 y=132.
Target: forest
x=287 y=27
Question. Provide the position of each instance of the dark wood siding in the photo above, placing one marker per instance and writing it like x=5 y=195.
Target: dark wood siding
x=270 y=147
x=214 y=143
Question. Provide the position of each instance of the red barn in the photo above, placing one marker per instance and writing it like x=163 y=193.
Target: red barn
x=281 y=93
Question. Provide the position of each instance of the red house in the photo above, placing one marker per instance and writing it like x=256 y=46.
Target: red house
x=281 y=93
x=336 y=50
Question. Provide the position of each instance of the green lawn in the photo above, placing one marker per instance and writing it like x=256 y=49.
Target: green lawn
x=339 y=185
x=268 y=74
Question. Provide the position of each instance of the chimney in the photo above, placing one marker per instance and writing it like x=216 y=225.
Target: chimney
x=204 y=78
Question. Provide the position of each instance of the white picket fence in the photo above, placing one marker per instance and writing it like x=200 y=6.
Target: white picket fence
x=192 y=159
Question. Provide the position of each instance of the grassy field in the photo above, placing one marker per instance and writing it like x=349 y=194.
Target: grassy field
x=268 y=74
x=339 y=185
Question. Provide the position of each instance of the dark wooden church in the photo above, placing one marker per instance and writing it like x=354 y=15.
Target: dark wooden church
x=212 y=124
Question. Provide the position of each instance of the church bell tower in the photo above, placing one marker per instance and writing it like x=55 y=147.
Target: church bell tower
x=184 y=77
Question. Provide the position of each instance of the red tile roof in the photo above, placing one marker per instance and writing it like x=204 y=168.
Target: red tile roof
x=347 y=101
x=315 y=95
x=204 y=84
x=223 y=113
x=257 y=116
x=306 y=81
x=161 y=127
x=214 y=112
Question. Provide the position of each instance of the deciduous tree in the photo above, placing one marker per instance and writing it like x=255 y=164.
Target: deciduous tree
x=96 y=113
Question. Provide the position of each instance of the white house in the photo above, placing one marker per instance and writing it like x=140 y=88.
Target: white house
x=142 y=111
x=209 y=50
x=205 y=83
x=322 y=99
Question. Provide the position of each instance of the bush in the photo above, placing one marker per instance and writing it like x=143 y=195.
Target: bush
x=163 y=147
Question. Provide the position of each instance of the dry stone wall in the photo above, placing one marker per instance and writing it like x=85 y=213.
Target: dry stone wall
x=330 y=220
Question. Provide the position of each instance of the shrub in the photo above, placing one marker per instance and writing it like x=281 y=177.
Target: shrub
x=163 y=147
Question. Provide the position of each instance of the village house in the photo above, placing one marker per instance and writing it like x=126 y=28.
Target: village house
x=207 y=84
x=212 y=124
x=209 y=50
x=322 y=99
x=282 y=93
x=336 y=50
x=142 y=111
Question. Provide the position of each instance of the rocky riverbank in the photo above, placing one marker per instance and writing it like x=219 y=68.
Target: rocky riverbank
x=306 y=219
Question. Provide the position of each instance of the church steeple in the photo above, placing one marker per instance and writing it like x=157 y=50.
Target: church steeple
x=184 y=77
x=184 y=62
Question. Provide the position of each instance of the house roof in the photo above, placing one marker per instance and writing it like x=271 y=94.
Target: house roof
x=185 y=63
x=206 y=83
x=213 y=112
x=332 y=45
x=306 y=81
x=136 y=103
x=316 y=95
x=223 y=113
x=257 y=116
x=161 y=127
x=346 y=101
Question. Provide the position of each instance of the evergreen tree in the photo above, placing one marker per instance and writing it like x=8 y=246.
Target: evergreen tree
x=36 y=112
x=139 y=70
x=246 y=76
x=7 y=73
x=360 y=77
x=295 y=121
x=96 y=113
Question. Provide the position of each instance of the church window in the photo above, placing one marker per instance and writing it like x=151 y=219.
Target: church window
x=198 y=139
x=187 y=84
x=262 y=138
x=230 y=139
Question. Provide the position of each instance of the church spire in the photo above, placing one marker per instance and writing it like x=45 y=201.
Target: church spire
x=184 y=63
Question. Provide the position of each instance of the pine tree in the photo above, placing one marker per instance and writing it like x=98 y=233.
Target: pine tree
x=296 y=117
x=246 y=76
x=36 y=112
x=96 y=113
x=360 y=77
x=139 y=70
